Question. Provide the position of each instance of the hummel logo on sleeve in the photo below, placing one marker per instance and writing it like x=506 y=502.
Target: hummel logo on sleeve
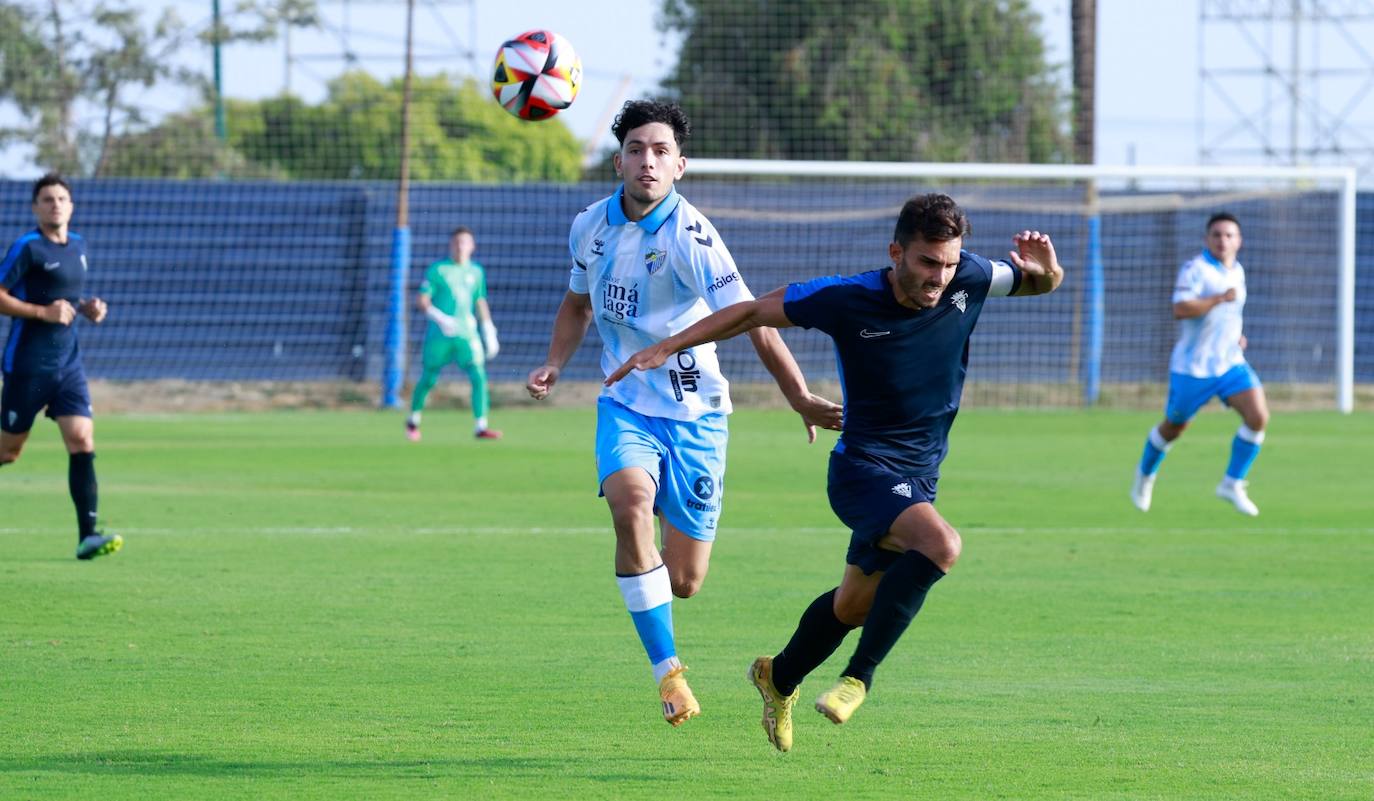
x=866 y=334
x=695 y=228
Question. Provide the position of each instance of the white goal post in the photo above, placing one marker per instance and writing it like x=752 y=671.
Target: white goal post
x=1124 y=186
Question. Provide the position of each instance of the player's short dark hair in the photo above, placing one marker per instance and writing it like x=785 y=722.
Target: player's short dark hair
x=642 y=112
x=1221 y=216
x=462 y=229
x=934 y=217
x=50 y=179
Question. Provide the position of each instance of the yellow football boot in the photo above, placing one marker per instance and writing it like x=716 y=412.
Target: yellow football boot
x=678 y=701
x=777 y=708
x=840 y=701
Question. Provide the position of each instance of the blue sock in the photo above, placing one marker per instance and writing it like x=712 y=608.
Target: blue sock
x=1155 y=449
x=1244 y=448
x=649 y=597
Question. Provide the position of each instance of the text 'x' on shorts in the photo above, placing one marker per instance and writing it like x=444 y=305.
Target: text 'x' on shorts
x=685 y=459
x=868 y=499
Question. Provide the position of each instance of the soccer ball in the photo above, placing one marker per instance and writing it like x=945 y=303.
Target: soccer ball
x=537 y=75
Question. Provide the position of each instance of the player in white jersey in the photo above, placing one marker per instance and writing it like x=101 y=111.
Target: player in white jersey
x=1209 y=361
x=646 y=265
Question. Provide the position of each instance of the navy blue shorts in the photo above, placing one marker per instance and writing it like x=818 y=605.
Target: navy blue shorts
x=868 y=499
x=24 y=396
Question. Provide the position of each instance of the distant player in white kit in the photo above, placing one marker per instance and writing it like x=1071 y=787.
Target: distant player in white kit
x=1209 y=361
x=647 y=264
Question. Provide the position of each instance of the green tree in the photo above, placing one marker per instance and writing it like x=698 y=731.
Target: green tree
x=70 y=66
x=881 y=80
x=457 y=134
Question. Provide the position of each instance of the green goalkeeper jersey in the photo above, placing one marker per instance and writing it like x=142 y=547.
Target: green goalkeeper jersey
x=454 y=289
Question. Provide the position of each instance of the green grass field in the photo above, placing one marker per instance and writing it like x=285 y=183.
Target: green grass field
x=308 y=606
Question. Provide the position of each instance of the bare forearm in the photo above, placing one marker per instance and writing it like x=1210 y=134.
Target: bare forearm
x=777 y=358
x=724 y=324
x=569 y=329
x=1188 y=309
x=11 y=306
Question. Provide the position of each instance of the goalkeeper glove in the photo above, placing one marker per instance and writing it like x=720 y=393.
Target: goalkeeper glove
x=448 y=325
x=489 y=342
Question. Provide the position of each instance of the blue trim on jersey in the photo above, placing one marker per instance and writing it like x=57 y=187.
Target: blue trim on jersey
x=16 y=329
x=654 y=220
x=1212 y=260
x=15 y=249
x=805 y=289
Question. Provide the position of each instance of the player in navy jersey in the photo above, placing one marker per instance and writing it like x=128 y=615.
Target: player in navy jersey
x=645 y=263
x=41 y=280
x=901 y=337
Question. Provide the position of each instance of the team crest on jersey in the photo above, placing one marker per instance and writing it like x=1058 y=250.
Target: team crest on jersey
x=655 y=259
x=960 y=299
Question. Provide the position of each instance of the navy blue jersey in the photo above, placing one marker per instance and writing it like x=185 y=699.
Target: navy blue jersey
x=40 y=271
x=901 y=369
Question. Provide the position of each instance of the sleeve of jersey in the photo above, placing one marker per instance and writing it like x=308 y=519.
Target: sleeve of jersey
x=810 y=304
x=714 y=274
x=427 y=285
x=1189 y=284
x=481 y=293
x=14 y=266
x=577 y=275
x=1006 y=279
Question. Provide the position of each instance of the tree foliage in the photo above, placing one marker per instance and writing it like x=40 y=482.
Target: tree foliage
x=881 y=80
x=457 y=134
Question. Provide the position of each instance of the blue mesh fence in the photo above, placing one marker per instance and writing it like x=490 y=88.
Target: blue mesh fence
x=238 y=280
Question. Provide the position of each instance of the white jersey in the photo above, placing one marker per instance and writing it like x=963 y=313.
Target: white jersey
x=1209 y=345
x=649 y=280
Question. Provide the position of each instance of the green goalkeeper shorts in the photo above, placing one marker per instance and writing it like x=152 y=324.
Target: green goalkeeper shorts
x=462 y=351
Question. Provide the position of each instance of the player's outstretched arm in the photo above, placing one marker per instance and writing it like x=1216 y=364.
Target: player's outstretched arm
x=569 y=329
x=724 y=324
x=1034 y=256
x=775 y=355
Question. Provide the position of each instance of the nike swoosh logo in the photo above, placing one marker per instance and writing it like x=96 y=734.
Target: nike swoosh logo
x=866 y=334
x=51 y=265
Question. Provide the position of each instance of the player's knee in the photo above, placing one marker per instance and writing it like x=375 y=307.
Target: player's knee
x=852 y=610
x=1171 y=430
x=686 y=584
x=944 y=549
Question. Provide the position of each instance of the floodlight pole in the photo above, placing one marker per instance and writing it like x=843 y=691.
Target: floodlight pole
x=393 y=373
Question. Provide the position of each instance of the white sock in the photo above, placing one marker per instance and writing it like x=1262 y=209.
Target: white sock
x=482 y=424
x=662 y=669
x=414 y=418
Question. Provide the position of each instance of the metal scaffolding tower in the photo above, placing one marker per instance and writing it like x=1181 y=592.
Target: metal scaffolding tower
x=1286 y=82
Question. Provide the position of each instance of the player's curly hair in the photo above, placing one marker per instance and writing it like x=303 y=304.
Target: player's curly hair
x=50 y=179
x=642 y=112
x=934 y=217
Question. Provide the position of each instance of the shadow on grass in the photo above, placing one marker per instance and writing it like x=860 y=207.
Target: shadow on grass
x=150 y=764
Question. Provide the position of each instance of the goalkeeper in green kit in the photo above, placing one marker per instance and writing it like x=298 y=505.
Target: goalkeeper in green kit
x=454 y=298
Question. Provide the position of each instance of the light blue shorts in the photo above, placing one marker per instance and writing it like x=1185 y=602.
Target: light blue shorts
x=1188 y=394
x=685 y=460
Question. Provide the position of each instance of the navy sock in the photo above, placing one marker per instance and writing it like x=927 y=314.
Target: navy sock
x=897 y=600
x=81 y=482
x=817 y=636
